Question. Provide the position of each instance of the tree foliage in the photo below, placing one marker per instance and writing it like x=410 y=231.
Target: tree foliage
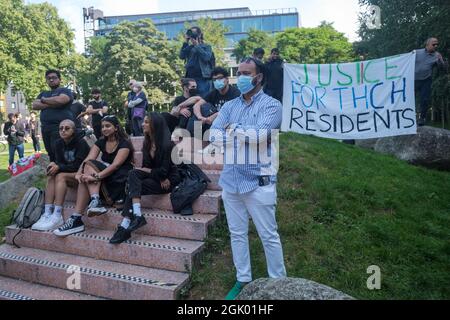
x=33 y=38
x=323 y=44
x=405 y=26
x=133 y=50
x=256 y=39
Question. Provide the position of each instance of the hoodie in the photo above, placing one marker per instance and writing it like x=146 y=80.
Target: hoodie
x=69 y=157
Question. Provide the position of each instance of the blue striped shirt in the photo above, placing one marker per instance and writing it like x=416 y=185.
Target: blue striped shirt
x=249 y=125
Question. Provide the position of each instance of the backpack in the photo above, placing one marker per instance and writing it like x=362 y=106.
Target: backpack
x=194 y=182
x=29 y=210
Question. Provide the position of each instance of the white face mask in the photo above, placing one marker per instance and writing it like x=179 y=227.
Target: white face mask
x=135 y=90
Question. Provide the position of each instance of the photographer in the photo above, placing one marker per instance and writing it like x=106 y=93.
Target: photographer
x=199 y=59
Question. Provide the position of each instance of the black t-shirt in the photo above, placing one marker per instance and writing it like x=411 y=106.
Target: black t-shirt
x=77 y=108
x=96 y=118
x=109 y=157
x=52 y=117
x=217 y=100
x=178 y=100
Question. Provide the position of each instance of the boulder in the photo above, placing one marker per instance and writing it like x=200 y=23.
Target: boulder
x=430 y=147
x=290 y=289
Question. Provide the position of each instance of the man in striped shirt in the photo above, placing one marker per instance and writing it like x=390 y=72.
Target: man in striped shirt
x=247 y=128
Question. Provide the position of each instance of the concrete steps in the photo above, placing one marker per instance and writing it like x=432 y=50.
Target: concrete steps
x=13 y=289
x=155 y=264
x=159 y=223
x=97 y=277
x=155 y=252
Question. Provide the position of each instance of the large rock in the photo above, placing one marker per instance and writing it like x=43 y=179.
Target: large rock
x=290 y=289
x=429 y=148
x=13 y=189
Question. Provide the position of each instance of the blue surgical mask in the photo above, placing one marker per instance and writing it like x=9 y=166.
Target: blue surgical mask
x=245 y=84
x=219 y=84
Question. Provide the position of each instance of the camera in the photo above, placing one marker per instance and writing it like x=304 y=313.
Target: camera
x=192 y=34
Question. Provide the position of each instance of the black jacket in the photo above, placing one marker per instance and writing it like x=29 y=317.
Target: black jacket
x=15 y=138
x=162 y=169
x=274 y=78
x=69 y=157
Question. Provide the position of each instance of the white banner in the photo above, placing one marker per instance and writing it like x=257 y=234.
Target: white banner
x=360 y=100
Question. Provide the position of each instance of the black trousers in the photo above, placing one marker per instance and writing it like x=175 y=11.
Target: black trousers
x=139 y=184
x=36 y=143
x=50 y=138
x=423 y=88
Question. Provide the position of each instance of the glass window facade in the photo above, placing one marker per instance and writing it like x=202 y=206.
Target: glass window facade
x=239 y=21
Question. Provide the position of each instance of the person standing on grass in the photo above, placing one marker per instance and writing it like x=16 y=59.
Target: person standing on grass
x=103 y=179
x=15 y=137
x=35 y=132
x=249 y=189
x=158 y=175
x=55 y=107
x=70 y=152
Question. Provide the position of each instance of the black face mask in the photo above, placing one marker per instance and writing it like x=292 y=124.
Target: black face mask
x=193 y=92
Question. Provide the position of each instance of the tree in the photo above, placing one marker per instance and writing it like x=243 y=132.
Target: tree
x=133 y=50
x=256 y=39
x=323 y=44
x=405 y=26
x=33 y=38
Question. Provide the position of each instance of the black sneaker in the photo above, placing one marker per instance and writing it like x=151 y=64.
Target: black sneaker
x=120 y=236
x=72 y=226
x=137 y=223
x=96 y=208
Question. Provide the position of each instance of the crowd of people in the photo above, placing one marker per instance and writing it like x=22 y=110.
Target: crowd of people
x=105 y=174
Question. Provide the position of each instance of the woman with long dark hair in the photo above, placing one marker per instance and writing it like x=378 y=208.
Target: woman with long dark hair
x=101 y=180
x=158 y=175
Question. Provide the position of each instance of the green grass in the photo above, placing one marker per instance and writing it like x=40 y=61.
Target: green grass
x=342 y=209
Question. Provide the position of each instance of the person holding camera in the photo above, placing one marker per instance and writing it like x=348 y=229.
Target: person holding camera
x=199 y=59
x=70 y=151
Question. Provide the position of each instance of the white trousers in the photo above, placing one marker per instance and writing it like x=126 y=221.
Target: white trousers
x=260 y=204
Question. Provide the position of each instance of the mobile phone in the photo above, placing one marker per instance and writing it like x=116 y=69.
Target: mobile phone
x=264 y=181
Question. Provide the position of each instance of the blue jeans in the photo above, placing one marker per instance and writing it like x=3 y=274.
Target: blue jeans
x=12 y=149
x=203 y=86
x=138 y=131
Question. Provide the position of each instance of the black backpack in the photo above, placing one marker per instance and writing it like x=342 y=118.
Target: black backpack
x=194 y=182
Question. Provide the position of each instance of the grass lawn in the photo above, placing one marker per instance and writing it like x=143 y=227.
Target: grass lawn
x=342 y=209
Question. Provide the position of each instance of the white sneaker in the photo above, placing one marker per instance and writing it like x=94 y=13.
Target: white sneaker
x=52 y=223
x=42 y=221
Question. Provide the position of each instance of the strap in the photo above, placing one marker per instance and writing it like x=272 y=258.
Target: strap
x=14 y=239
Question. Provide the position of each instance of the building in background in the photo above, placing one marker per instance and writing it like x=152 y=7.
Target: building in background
x=239 y=22
x=12 y=101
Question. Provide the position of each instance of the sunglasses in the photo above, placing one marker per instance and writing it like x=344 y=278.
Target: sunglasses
x=62 y=128
x=52 y=78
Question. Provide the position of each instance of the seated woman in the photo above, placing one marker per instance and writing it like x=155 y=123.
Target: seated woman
x=106 y=178
x=158 y=175
x=70 y=151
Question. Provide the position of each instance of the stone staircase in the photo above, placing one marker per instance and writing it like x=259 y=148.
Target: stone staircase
x=155 y=264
